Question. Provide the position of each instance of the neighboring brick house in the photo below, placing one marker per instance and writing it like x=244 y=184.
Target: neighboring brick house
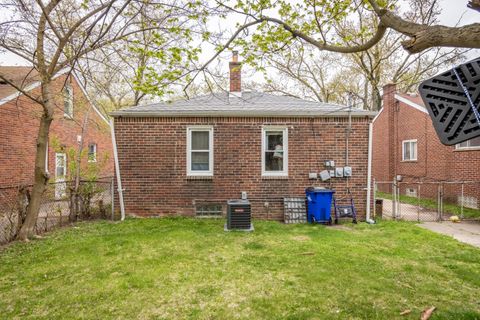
x=405 y=143
x=20 y=116
x=189 y=157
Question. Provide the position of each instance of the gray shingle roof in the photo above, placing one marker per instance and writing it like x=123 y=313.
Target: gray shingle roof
x=244 y=104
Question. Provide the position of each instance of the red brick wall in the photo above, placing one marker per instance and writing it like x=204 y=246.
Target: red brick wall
x=19 y=120
x=152 y=156
x=435 y=161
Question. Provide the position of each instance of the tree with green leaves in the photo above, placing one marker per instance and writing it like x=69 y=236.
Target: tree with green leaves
x=57 y=35
x=269 y=26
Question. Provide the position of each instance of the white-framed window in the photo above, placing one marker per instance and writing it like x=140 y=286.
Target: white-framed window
x=409 y=150
x=68 y=101
x=60 y=165
x=274 y=151
x=469 y=144
x=92 y=152
x=200 y=151
x=60 y=175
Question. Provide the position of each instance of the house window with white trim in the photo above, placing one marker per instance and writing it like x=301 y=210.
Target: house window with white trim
x=68 y=101
x=274 y=151
x=92 y=152
x=60 y=165
x=200 y=151
x=469 y=144
x=409 y=151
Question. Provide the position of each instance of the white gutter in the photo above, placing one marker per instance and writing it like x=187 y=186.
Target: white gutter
x=369 y=172
x=117 y=172
x=84 y=91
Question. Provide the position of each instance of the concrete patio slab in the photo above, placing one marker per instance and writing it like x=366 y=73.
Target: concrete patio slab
x=466 y=232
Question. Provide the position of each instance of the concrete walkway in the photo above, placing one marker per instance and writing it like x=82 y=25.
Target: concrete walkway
x=467 y=232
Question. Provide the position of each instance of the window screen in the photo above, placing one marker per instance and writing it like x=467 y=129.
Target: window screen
x=60 y=165
x=274 y=151
x=92 y=152
x=409 y=150
x=200 y=151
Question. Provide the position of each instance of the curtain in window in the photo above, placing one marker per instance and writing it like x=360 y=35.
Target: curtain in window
x=274 y=151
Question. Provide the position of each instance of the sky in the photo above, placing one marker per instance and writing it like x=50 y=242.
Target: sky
x=452 y=11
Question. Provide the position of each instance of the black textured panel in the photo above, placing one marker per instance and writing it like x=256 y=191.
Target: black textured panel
x=448 y=106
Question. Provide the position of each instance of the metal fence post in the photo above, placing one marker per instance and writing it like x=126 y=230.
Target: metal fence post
x=394 y=197
x=440 y=202
x=461 y=204
x=399 y=204
x=112 y=190
x=374 y=199
x=418 y=202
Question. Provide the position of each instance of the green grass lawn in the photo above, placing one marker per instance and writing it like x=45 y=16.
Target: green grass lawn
x=191 y=269
x=449 y=208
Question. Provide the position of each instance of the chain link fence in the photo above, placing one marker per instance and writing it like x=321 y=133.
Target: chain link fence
x=59 y=205
x=427 y=201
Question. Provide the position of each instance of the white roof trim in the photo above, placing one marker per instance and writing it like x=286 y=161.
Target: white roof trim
x=411 y=103
x=38 y=83
x=88 y=98
x=30 y=87
x=240 y=113
x=378 y=114
x=18 y=93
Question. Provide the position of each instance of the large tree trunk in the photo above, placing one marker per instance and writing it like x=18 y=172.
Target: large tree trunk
x=40 y=175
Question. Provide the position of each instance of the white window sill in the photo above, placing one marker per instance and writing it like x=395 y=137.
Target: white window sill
x=409 y=161
x=467 y=149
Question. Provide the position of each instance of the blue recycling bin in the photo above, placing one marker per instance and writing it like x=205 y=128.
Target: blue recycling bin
x=319 y=204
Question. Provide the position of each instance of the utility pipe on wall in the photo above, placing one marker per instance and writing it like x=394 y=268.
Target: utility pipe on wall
x=369 y=172
x=117 y=172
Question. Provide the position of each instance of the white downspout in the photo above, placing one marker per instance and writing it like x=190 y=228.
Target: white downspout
x=369 y=172
x=117 y=172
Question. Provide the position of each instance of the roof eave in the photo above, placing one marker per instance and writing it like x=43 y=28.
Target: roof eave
x=117 y=114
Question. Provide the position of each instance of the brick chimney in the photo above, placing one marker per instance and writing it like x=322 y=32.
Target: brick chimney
x=235 y=73
x=388 y=97
x=390 y=140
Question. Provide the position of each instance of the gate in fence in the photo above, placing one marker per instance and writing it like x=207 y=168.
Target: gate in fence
x=427 y=201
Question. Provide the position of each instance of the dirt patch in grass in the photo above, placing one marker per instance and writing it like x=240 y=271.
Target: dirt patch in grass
x=301 y=238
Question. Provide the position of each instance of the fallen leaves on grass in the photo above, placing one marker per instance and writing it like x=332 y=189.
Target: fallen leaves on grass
x=405 y=312
x=427 y=313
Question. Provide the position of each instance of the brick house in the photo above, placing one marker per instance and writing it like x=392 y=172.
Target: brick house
x=20 y=118
x=405 y=143
x=189 y=157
